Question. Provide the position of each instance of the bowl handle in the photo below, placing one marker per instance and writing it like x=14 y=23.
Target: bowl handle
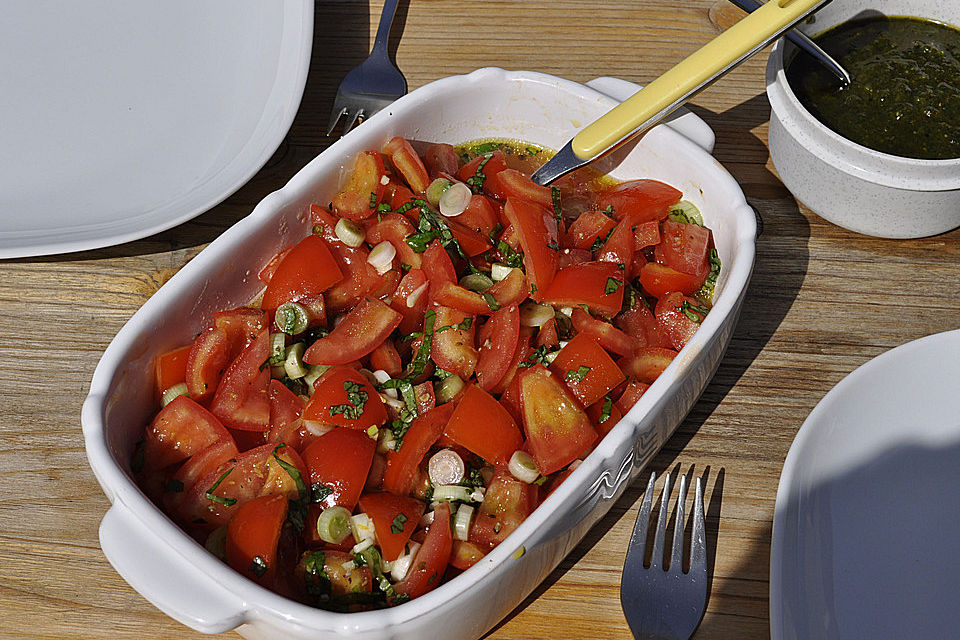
x=683 y=121
x=164 y=577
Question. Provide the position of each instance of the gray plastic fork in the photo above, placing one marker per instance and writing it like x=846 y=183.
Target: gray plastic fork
x=664 y=603
x=372 y=85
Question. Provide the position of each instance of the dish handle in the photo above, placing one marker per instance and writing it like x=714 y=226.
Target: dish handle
x=683 y=121
x=164 y=577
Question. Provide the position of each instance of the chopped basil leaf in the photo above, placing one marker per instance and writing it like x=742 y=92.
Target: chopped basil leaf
x=373 y=199
x=227 y=502
x=555 y=196
x=706 y=291
x=605 y=409
x=356 y=401
x=553 y=245
x=319 y=491
x=599 y=243
x=578 y=374
x=315 y=576
x=397 y=525
x=539 y=356
x=692 y=311
x=258 y=567
x=491 y=301
x=612 y=285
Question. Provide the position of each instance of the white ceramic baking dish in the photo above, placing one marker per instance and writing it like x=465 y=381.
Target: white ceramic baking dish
x=182 y=579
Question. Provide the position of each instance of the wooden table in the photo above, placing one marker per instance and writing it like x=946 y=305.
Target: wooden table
x=822 y=301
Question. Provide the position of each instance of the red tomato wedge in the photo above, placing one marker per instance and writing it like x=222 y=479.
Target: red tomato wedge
x=588 y=228
x=611 y=338
x=618 y=247
x=181 y=429
x=536 y=226
x=506 y=504
x=198 y=466
x=498 y=342
x=170 y=368
x=599 y=285
x=452 y=349
x=430 y=563
x=344 y=397
x=361 y=331
x=658 y=280
x=648 y=363
x=410 y=300
x=481 y=425
x=437 y=266
x=306 y=271
x=253 y=535
x=394 y=228
x=286 y=407
x=402 y=464
x=604 y=414
x=640 y=200
x=514 y=184
x=441 y=158
x=242 y=400
x=395 y=518
x=364 y=188
x=481 y=173
x=685 y=247
x=587 y=369
x=337 y=465
x=216 y=347
x=679 y=317
x=557 y=429
x=633 y=391
x=408 y=163
x=480 y=215
x=646 y=234
x=465 y=554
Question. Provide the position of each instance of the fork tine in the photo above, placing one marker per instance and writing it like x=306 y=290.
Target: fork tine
x=676 y=557
x=656 y=560
x=698 y=550
x=351 y=120
x=335 y=115
x=633 y=564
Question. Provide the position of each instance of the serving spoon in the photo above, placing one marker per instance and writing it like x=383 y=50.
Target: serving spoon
x=645 y=108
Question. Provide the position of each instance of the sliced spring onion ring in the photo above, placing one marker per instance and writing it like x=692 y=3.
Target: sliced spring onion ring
x=291 y=318
x=401 y=566
x=314 y=371
x=278 y=348
x=333 y=525
x=523 y=467
x=216 y=542
x=454 y=200
x=381 y=257
x=349 y=232
x=362 y=527
x=452 y=493
x=445 y=467
x=436 y=189
x=499 y=271
x=686 y=211
x=476 y=282
x=448 y=388
x=179 y=389
x=293 y=364
x=461 y=523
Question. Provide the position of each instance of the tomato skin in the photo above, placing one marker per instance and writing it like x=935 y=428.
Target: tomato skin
x=217 y=346
x=481 y=425
x=457 y=297
x=648 y=363
x=170 y=368
x=686 y=248
x=595 y=413
x=673 y=318
x=330 y=392
x=514 y=184
x=603 y=375
x=472 y=242
x=480 y=215
x=659 y=280
x=307 y=270
x=430 y=563
x=523 y=346
x=513 y=289
x=389 y=513
x=197 y=466
x=452 y=349
x=610 y=338
x=437 y=266
x=286 y=407
x=506 y=504
x=394 y=228
x=410 y=300
x=639 y=323
x=403 y=463
x=492 y=163
x=465 y=554
x=646 y=234
x=266 y=274
x=242 y=400
x=588 y=228
x=536 y=227
x=640 y=200
x=181 y=429
x=362 y=330
x=441 y=158
x=631 y=394
x=618 y=248
x=547 y=335
x=363 y=186
x=587 y=283
x=340 y=459
x=557 y=429
x=498 y=342
x=387 y=358
x=408 y=163
x=253 y=535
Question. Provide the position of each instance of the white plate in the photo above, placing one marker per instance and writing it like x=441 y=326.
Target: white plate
x=865 y=541
x=121 y=119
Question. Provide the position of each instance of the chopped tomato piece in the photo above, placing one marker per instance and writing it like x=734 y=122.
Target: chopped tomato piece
x=394 y=519
x=441 y=158
x=639 y=323
x=170 y=368
x=387 y=358
x=323 y=576
x=618 y=247
x=514 y=184
x=588 y=228
x=437 y=266
x=344 y=397
x=498 y=342
x=480 y=215
x=216 y=347
x=410 y=300
x=403 y=463
x=604 y=414
x=181 y=429
x=430 y=562
x=465 y=554
x=361 y=331
x=513 y=289
x=659 y=279
x=408 y=163
x=306 y=271
x=453 y=295
x=610 y=338
x=586 y=368
x=640 y=200
x=337 y=465
x=253 y=535
x=557 y=429
x=679 y=316
x=481 y=173
x=506 y=504
x=686 y=248
x=394 y=228
x=286 y=407
x=536 y=227
x=471 y=241
x=198 y=466
x=631 y=394
x=481 y=425
x=364 y=188
x=648 y=363
x=599 y=285
x=241 y=400
x=646 y=234
x=452 y=349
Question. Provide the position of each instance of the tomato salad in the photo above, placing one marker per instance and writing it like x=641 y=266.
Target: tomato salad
x=422 y=370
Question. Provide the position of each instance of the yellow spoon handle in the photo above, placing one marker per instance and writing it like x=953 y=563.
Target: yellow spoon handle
x=689 y=76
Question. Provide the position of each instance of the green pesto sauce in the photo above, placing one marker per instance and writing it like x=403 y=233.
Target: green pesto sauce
x=905 y=96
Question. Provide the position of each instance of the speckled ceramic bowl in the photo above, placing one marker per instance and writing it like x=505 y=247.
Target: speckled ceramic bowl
x=846 y=183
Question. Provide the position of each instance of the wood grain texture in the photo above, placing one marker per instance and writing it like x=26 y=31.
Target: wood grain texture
x=822 y=302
